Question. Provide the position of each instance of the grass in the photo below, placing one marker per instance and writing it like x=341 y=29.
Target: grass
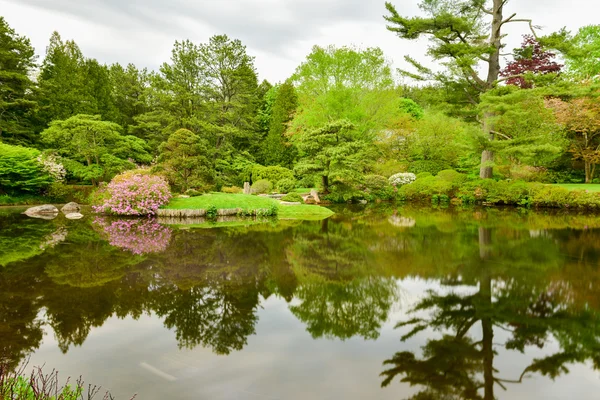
x=249 y=202
x=221 y=200
x=590 y=187
x=305 y=212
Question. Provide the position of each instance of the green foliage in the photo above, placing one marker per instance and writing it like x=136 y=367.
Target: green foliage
x=96 y=150
x=186 y=160
x=17 y=62
x=332 y=151
x=272 y=174
x=262 y=186
x=21 y=172
x=276 y=147
x=231 y=189
x=378 y=187
x=211 y=212
x=293 y=197
x=408 y=106
x=285 y=185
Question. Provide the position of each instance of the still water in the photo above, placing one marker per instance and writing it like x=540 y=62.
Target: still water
x=378 y=303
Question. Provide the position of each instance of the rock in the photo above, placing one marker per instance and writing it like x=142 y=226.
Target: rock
x=315 y=195
x=41 y=211
x=71 y=207
x=363 y=202
x=74 y=215
x=290 y=203
x=309 y=200
x=247 y=188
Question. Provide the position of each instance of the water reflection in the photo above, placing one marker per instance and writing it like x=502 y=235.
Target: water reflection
x=495 y=288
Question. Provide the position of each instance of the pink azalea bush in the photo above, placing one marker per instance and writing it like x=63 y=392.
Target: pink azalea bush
x=134 y=194
x=139 y=236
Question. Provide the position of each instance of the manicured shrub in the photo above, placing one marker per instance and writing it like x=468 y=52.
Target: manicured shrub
x=286 y=185
x=402 y=178
x=272 y=174
x=293 y=197
x=193 y=193
x=262 y=186
x=378 y=187
x=376 y=182
x=431 y=166
x=231 y=189
x=133 y=195
x=21 y=172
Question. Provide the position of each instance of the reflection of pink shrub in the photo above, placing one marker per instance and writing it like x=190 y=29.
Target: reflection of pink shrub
x=140 y=236
x=135 y=195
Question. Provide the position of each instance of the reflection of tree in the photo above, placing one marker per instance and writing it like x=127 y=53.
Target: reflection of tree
x=344 y=310
x=219 y=317
x=531 y=310
x=20 y=329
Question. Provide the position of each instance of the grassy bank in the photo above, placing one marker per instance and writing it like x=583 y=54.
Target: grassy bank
x=249 y=202
x=590 y=187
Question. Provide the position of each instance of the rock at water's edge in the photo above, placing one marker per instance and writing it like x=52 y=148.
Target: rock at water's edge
x=38 y=211
x=71 y=207
x=315 y=195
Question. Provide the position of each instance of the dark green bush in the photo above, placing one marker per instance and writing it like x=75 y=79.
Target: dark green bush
x=378 y=187
x=293 y=197
x=286 y=185
x=193 y=193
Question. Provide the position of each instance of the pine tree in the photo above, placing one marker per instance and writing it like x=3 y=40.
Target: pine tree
x=277 y=150
x=17 y=60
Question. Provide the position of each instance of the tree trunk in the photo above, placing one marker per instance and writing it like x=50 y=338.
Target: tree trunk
x=487 y=327
x=487 y=157
x=325 y=183
x=486 y=171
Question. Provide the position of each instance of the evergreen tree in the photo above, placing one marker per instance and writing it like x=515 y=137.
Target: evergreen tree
x=17 y=60
x=277 y=149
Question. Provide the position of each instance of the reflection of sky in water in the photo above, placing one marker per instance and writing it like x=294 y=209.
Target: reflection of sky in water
x=281 y=361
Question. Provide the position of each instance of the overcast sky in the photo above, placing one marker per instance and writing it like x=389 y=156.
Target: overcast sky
x=279 y=33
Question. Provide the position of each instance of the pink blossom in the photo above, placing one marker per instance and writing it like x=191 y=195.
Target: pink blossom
x=135 y=195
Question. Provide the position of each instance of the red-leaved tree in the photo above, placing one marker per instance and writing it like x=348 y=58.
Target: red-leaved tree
x=529 y=58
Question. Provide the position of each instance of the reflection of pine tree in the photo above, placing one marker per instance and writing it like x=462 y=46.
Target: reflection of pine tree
x=458 y=366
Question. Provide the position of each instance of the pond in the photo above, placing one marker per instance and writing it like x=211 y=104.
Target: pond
x=375 y=303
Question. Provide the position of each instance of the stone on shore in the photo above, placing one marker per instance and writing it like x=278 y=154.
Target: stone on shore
x=47 y=211
x=71 y=207
x=74 y=215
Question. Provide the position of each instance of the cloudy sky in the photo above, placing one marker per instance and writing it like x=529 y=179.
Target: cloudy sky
x=279 y=33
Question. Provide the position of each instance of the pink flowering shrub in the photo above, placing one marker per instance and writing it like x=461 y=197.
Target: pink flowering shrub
x=139 y=236
x=134 y=194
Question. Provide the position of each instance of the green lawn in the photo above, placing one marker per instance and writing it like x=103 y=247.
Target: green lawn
x=249 y=202
x=221 y=200
x=305 y=212
x=590 y=187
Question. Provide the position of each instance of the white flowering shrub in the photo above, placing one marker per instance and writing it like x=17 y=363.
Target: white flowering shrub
x=52 y=166
x=402 y=178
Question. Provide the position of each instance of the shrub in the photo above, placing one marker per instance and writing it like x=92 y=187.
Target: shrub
x=193 y=193
x=431 y=166
x=423 y=175
x=272 y=174
x=133 y=195
x=530 y=174
x=231 y=189
x=286 y=185
x=21 y=172
x=262 y=186
x=293 y=197
x=402 y=178
x=378 y=187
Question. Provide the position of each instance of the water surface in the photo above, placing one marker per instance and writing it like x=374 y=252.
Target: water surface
x=378 y=303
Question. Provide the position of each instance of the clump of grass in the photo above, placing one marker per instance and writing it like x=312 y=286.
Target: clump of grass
x=15 y=384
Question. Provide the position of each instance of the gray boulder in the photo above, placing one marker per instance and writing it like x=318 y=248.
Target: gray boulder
x=47 y=211
x=315 y=195
x=74 y=215
x=71 y=207
x=309 y=200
